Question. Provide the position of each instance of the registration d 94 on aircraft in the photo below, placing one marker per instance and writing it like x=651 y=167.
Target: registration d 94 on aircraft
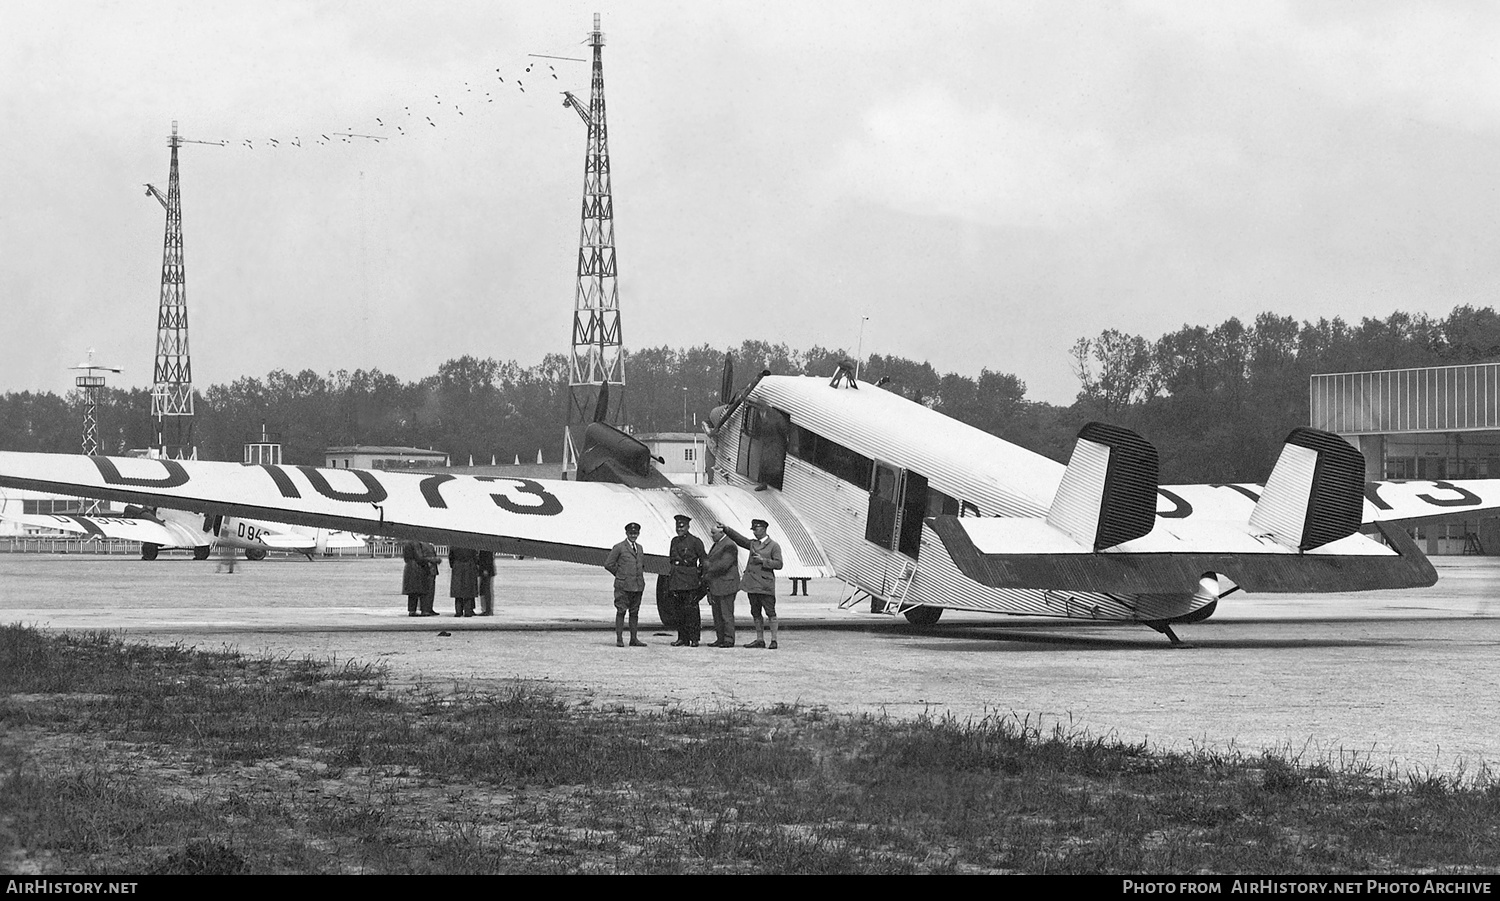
x=916 y=510
x=165 y=529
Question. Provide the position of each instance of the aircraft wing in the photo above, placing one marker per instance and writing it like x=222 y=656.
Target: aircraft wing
x=343 y=541
x=561 y=520
x=285 y=541
x=1405 y=501
x=129 y=528
x=304 y=540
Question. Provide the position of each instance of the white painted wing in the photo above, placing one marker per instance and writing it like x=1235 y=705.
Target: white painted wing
x=1407 y=502
x=342 y=541
x=285 y=541
x=578 y=521
x=128 y=528
x=1006 y=535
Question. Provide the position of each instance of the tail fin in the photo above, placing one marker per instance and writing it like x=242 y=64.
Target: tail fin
x=1315 y=493
x=1108 y=493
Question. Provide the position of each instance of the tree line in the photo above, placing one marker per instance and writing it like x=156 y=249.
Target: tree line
x=1216 y=402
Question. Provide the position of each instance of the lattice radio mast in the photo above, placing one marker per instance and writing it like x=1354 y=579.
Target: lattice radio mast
x=91 y=385
x=598 y=357
x=172 y=389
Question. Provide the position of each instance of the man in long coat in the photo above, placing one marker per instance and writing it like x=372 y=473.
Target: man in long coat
x=463 y=580
x=685 y=582
x=419 y=577
x=626 y=562
x=486 y=583
x=723 y=574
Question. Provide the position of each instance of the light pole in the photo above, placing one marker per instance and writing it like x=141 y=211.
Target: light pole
x=860 y=350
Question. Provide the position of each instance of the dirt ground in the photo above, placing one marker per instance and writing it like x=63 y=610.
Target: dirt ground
x=1406 y=679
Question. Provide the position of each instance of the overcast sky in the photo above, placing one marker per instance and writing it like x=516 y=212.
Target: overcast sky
x=986 y=182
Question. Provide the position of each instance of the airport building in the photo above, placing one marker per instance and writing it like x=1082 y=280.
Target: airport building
x=682 y=454
x=367 y=456
x=1434 y=423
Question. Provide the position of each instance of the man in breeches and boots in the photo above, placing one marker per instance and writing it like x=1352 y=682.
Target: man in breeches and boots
x=685 y=582
x=759 y=581
x=627 y=563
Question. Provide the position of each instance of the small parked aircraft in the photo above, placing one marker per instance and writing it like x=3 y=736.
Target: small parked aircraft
x=165 y=529
x=913 y=509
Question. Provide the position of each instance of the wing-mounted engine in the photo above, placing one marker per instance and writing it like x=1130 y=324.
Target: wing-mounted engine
x=610 y=455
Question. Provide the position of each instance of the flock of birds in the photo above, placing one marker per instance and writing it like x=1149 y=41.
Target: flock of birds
x=410 y=121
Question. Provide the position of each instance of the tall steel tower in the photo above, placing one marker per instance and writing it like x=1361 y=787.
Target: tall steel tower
x=91 y=385
x=598 y=356
x=172 y=390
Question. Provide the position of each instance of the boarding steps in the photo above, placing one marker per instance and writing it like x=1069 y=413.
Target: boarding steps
x=893 y=603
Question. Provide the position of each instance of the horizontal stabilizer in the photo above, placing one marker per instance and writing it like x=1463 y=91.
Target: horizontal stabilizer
x=1108 y=493
x=1355 y=563
x=1315 y=493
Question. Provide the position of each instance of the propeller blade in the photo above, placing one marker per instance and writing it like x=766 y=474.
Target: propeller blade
x=601 y=406
x=726 y=383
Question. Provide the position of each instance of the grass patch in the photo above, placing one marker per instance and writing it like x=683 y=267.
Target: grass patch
x=131 y=758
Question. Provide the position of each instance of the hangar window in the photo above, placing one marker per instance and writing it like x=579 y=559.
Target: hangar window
x=52 y=505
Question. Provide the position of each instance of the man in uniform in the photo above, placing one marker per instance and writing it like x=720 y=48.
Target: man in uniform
x=723 y=574
x=759 y=581
x=626 y=562
x=685 y=582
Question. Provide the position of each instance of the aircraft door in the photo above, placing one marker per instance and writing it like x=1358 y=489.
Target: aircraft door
x=763 y=440
x=898 y=499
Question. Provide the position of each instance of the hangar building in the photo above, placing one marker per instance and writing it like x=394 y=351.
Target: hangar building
x=1439 y=423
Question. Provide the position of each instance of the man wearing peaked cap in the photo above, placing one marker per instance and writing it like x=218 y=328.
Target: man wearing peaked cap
x=685 y=582
x=759 y=580
x=626 y=562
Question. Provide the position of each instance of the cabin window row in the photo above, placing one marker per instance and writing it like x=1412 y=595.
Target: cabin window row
x=767 y=435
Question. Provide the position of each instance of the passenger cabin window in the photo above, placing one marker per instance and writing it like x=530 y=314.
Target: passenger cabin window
x=830 y=456
x=940 y=504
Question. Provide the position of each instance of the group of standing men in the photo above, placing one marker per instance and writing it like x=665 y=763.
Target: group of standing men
x=472 y=576
x=697 y=572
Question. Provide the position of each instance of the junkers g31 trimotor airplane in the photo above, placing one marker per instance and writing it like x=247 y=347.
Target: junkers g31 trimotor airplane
x=911 y=507
x=159 y=530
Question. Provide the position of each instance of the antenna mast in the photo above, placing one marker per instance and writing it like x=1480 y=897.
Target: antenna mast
x=172 y=390
x=598 y=356
x=91 y=385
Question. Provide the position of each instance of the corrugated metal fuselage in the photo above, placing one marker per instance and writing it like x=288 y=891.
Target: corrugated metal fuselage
x=958 y=469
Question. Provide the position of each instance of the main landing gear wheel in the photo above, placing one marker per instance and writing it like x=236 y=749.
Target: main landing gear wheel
x=149 y=551
x=923 y=616
x=255 y=553
x=671 y=618
x=201 y=552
